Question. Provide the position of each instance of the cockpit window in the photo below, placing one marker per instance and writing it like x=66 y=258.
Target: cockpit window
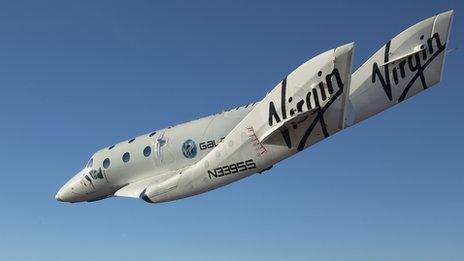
x=90 y=163
x=106 y=163
x=96 y=174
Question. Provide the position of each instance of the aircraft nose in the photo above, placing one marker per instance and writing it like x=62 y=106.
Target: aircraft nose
x=67 y=191
x=64 y=194
x=57 y=197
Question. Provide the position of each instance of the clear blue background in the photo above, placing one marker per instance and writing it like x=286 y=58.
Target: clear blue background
x=76 y=76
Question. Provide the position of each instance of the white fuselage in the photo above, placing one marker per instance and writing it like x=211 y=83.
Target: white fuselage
x=157 y=155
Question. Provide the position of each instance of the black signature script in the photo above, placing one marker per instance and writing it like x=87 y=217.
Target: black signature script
x=306 y=104
x=416 y=63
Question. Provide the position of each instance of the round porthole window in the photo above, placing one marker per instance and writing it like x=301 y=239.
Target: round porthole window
x=147 y=151
x=126 y=157
x=106 y=163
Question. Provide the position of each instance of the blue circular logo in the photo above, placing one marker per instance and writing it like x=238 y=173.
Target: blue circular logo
x=189 y=149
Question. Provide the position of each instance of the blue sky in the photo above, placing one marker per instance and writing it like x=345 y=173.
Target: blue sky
x=76 y=76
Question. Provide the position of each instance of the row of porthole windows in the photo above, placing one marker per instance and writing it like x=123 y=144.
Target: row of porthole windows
x=126 y=157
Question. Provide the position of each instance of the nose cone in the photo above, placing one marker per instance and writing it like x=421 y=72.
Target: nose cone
x=67 y=193
x=64 y=194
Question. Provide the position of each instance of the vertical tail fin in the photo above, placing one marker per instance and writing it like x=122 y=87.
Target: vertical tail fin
x=408 y=64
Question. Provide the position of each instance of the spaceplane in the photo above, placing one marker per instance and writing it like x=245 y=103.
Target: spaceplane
x=318 y=99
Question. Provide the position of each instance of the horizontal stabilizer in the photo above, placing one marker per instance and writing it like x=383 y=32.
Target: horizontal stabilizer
x=284 y=126
x=393 y=61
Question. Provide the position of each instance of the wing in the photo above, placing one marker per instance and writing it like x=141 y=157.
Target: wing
x=159 y=183
x=135 y=189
